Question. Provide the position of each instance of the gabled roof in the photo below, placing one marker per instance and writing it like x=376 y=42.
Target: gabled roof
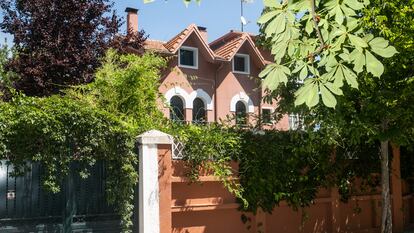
x=221 y=49
x=175 y=43
x=227 y=46
x=155 y=46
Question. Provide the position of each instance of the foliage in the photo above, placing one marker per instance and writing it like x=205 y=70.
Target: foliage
x=94 y=122
x=210 y=148
x=57 y=131
x=126 y=86
x=317 y=42
x=295 y=165
x=381 y=109
x=6 y=77
x=59 y=43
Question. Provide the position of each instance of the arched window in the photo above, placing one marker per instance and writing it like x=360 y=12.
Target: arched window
x=241 y=113
x=199 y=111
x=177 y=109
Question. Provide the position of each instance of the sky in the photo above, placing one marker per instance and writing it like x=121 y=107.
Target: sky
x=164 y=19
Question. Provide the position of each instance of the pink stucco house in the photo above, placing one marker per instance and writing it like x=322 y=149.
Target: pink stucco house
x=212 y=81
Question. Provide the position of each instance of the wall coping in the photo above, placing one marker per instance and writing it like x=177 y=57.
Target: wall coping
x=154 y=137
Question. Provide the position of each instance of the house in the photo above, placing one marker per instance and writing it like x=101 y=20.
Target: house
x=212 y=81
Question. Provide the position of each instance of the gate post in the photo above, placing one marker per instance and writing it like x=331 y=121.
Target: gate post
x=155 y=182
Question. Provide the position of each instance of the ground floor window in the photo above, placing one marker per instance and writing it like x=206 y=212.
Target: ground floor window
x=199 y=111
x=177 y=109
x=241 y=113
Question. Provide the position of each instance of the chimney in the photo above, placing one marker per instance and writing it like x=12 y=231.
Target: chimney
x=203 y=32
x=132 y=20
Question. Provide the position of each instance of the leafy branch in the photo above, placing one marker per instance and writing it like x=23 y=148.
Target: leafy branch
x=318 y=30
x=326 y=45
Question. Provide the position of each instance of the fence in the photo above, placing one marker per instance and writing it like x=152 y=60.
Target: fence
x=81 y=206
x=168 y=203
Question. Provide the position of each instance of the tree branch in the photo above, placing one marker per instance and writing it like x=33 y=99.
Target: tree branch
x=318 y=31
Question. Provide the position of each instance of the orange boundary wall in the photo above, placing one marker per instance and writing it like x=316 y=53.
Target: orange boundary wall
x=207 y=207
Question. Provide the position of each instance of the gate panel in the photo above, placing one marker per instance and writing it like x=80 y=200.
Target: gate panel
x=81 y=206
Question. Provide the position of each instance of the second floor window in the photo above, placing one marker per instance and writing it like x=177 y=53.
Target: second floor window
x=241 y=63
x=199 y=111
x=188 y=57
x=267 y=116
x=177 y=109
x=241 y=113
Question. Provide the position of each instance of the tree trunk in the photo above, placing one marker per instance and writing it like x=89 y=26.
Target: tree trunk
x=386 y=218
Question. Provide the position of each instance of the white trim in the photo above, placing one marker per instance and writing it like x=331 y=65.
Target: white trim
x=243 y=97
x=195 y=50
x=178 y=91
x=154 y=137
x=200 y=93
x=148 y=198
x=247 y=60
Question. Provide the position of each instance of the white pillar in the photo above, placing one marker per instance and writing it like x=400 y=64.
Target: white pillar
x=149 y=206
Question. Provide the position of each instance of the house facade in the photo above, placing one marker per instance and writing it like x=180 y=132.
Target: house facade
x=212 y=81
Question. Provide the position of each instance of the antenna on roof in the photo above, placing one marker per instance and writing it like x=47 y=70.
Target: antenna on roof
x=242 y=18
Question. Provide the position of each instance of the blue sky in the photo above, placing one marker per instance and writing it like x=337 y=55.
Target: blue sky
x=163 y=19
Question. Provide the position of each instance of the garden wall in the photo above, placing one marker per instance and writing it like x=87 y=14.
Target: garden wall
x=207 y=207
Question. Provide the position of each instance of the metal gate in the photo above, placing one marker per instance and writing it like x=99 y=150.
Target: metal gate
x=80 y=207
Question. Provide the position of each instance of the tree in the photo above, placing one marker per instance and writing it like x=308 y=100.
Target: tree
x=381 y=109
x=59 y=43
x=6 y=77
x=319 y=41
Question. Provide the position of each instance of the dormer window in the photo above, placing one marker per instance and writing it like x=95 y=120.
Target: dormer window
x=241 y=64
x=188 y=57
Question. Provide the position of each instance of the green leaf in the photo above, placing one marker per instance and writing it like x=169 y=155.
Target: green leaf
x=378 y=42
x=352 y=23
x=302 y=94
x=333 y=88
x=374 y=66
x=350 y=77
x=266 y=70
x=313 y=96
x=328 y=98
x=281 y=23
x=347 y=11
x=276 y=76
x=339 y=16
x=354 y=4
x=303 y=73
x=357 y=41
x=271 y=3
x=309 y=26
x=359 y=60
x=267 y=16
x=387 y=52
x=271 y=28
x=338 y=78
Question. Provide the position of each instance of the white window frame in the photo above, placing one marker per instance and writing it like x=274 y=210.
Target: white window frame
x=193 y=49
x=247 y=60
x=295 y=121
x=272 y=111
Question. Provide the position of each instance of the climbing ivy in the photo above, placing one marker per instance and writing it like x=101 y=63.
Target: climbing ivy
x=94 y=122
x=57 y=131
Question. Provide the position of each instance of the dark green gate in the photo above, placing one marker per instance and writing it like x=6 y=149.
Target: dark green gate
x=80 y=207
